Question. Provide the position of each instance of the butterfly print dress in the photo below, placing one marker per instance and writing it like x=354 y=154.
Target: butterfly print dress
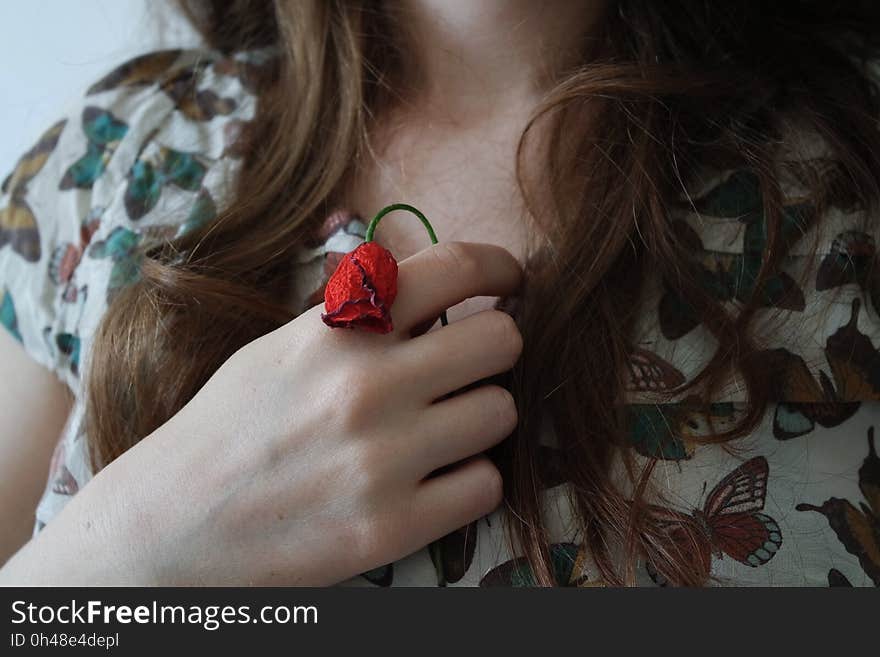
x=152 y=150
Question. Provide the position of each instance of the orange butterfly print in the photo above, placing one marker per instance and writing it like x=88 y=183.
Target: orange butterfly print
x=18 y=226
x=180 y=86
x=858 y=528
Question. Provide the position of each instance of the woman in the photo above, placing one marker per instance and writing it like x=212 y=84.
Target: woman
x=656 y=227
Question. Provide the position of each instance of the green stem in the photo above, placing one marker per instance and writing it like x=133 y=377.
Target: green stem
x=436 y=548
x=403 y=206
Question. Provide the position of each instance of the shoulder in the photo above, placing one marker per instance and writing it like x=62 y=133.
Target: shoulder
x=160 y=119
x=149 y=149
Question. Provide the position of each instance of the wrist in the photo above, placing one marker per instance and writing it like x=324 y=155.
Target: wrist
x=94 y=541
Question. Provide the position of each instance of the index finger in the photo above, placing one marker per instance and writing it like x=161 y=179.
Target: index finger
x=447 y=273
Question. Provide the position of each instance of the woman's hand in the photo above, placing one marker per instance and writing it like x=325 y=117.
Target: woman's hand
x=305 y=458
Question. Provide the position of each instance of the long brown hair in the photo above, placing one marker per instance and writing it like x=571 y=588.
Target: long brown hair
x=671 y=89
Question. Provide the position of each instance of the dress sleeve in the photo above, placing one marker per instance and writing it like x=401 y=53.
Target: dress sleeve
x=141 y=144
x=41 y=209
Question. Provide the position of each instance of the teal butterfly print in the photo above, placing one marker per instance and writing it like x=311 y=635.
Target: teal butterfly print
x=203 y=211
x=150 y=174
x=738 y=197
x=121 y=246
x=671 y=431
x=793 y=419
x=103 y=132
x=8 y=317
x=568 y=561
x=69 y=345
x=735 y=276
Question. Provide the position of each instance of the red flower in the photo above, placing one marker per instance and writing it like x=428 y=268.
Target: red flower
x=360 y=292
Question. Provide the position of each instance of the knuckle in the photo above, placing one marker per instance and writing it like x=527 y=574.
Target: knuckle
x=366 y=471
x=491 y=484
x=358 y=393
x=366 y=538
x=504 y=407
x=456 y=259
x=381 y=538
x=503 y=331
x=368 y=479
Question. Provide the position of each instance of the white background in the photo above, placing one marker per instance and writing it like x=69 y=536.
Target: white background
x=52 y=50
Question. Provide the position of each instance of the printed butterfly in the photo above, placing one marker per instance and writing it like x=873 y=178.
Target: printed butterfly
x=735 y=276
x=858 y=527
x=139 y=71
x=803 y=402
x=67 y=345
x=67 y=256
x=334 y=239
x=838 y=579
x=806 y=400
x=850 y=261
x=63 y=481
x=149 y=174
x=648 y=372
x=121 y=247
x=452 y=554
x=179 y=85
x=381 y=576
x=8 y=317
x=569 y=569
x=103 y=133
x=70 y=345
x=18 y=226
x=730 y=522
x=671 y=431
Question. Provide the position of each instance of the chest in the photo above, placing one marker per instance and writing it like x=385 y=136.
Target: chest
x=463 y=180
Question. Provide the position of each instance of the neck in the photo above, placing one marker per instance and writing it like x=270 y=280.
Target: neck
x=469 y=58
